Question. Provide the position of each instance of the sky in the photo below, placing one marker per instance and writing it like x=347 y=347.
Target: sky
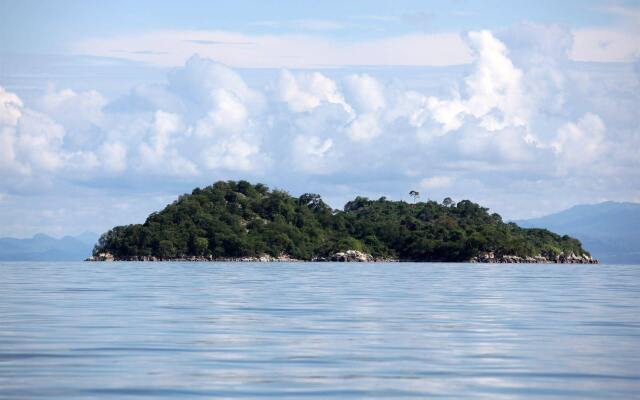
x=111 y=110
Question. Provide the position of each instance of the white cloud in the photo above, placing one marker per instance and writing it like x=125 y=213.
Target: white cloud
x=365 y=93
x=215 y=122
x=206 y=83
x=436 y=182
x=364 y=127
x=74 y=110
x=409 y=105
x=229 y=113
x=301 y=24
x=164 y=125
x=580 y=143
x=8 y=162
x=310 y=154
x=173 y=48
x=80 y=164
x=38 y=140
x=449 y=113
x=521 y=117
x=207 y=118
x=619 y=42
x=495 y=85
x=113 y=156
x=304 y=92
x=10 y=106
x=494 y=90
x=29 y=141
x=159 y=153
x=233 y=154
x=605 y=45
x=10 y=113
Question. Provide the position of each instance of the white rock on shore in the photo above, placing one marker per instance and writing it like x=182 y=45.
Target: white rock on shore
x=341 y=256
x=490 y=257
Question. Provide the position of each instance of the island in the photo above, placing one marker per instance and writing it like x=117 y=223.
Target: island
x=240 y=221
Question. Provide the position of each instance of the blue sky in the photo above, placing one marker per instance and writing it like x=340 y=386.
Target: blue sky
x=40 y=26
x=109 y=110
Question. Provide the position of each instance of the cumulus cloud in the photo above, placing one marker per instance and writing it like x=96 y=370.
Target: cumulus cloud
x=159 y=152
x=494 y=92
x=581 y=142
x=306 y=91
x=495 y=86
x=523 y=116
x=231 y=154
x=76 y=111
x=436 y=182
x=10 y=106
x=310 y=154
x=211 y=85
x=208 y=123
x=113 y=156
x=364 y=127
x=206 y=118
x=29 y=141
x=365 y=93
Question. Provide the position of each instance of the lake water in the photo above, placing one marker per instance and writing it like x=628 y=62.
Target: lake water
x=318 y=330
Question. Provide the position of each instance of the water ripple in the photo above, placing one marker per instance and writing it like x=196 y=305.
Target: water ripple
x=216 y=330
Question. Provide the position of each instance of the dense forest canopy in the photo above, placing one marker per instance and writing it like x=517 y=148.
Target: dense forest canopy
x=238 y=219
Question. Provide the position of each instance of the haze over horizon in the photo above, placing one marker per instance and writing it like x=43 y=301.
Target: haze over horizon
x=110 y=111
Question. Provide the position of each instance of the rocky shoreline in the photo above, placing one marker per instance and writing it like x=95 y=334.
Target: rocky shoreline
x=491 y=258
x=353 y=256
x=342 y=256
x=356 y=256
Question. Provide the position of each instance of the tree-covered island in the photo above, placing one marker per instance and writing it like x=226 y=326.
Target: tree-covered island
x=240 y=221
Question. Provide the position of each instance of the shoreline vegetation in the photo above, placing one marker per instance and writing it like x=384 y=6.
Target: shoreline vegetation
x=241 y=222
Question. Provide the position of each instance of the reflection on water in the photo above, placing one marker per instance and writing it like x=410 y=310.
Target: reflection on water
x=233 y=330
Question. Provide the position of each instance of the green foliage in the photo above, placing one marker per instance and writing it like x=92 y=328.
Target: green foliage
x=235 y=219
x=200 y=246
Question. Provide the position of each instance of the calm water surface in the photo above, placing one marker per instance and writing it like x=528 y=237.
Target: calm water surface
x=233 y=330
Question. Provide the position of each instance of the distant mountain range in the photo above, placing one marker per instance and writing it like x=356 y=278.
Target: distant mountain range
x=609 y=230
x=42 y=247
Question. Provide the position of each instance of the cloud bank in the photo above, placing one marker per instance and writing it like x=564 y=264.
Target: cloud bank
x=524 y=131
x=172 y=47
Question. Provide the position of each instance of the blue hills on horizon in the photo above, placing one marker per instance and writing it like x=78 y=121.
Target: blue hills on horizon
x=43 y=247
x=610 y=231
